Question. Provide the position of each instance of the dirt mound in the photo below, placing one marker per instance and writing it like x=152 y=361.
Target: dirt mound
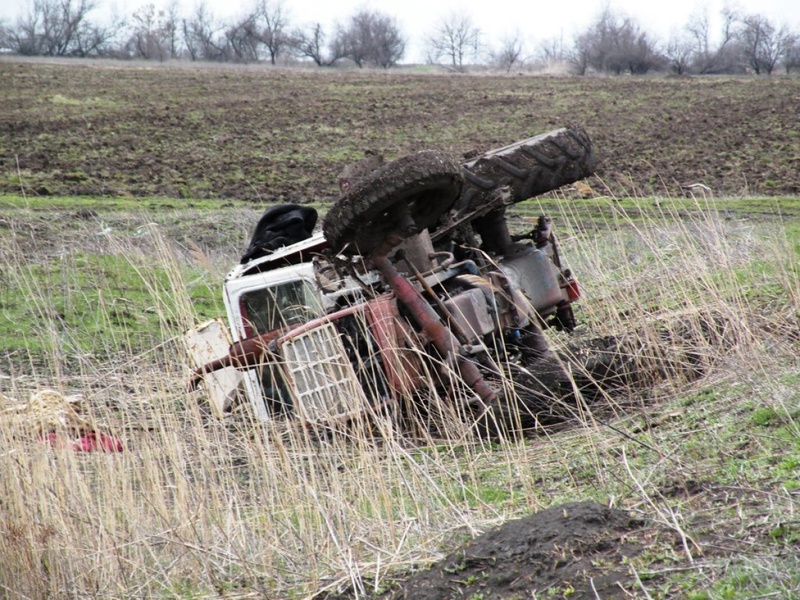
x=576 y=549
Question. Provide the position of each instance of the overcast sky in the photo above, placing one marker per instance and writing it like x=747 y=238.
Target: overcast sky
x=536 y=20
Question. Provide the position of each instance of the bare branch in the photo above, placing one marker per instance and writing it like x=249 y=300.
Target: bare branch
x=615 y=44
x=309 y=42
x=371 y=37
x=456 y=39
x=272 y=22
x=202 y=36
x=762 y=43
x=510 y=52
x=57 y=28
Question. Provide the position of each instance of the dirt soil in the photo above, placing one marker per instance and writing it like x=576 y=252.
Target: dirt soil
x=579 y=546
x=273 y=135
x=575 y=550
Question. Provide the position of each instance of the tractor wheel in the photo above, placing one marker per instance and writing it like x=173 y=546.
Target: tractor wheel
x=529 y=167
x=399 y=199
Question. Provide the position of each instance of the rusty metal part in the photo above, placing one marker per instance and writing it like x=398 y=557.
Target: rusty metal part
x=459 y=332
x=241 y=355
x=401 y=363
x=250 y=352
x=426 y=318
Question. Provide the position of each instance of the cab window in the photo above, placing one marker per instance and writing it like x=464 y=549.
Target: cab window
x=274 y=307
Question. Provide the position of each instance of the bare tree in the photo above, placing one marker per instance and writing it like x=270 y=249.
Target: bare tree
x=263 y=27
x=698 y=31
x=636 y=52
x=353 y=40
x=242 y=41
x=679 y=53
x=98 y=40
x=58 y=28
x=388 y=43
x=580 y=55
x=791 y=58
x=510 y=51
x=762 y=43
x=201 y=36
x=456 y=39
x=615 y=44
x=601 y=41
x=272 y=22
x=721 y=57
x=153 y=33
x=370 y=37
x=5 y=36
x=309 y=42
x=552 y=51
x=171 y=24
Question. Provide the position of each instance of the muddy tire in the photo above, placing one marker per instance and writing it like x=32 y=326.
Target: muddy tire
x=401 y=198
x=529 y=167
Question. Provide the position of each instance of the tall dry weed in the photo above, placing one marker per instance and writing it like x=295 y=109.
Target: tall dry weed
x=198 y=507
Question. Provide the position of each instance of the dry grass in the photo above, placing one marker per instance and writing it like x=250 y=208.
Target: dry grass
x=195 y=507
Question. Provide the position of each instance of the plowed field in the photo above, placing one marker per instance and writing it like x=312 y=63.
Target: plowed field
x=269 y=135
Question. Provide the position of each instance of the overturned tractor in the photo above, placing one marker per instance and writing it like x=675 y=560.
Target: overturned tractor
x=414 y=282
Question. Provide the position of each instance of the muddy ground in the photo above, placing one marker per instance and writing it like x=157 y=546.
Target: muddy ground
x=577 y=550
x=270 y=135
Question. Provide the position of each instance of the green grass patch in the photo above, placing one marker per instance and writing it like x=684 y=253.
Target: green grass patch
x=11 y=202
x=604 y=212
x=88 y=102
x=92 y=304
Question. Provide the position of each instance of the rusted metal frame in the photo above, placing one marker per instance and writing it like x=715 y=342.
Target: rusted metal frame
x=460 y=334
x=383 y=319
x=432 y=327
x=250 y=352
x=244 y=354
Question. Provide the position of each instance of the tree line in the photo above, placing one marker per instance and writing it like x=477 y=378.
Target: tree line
x=613 y=43
x=264 y=33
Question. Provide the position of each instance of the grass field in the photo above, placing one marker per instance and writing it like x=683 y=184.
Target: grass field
x=97 y=291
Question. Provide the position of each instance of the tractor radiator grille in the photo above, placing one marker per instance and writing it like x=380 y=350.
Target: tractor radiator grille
x=323 y=381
